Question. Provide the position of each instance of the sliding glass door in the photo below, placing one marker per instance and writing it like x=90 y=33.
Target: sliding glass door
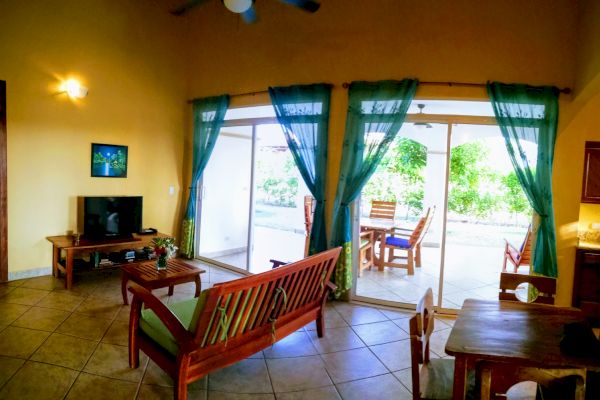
x=251 y=206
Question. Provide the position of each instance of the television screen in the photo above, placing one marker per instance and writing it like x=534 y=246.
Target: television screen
x=111 y=217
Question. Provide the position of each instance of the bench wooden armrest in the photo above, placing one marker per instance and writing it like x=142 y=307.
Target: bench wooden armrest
x=332 y=287
x=173 y=324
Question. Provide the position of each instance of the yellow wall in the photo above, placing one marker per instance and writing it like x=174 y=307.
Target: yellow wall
x=129 y=55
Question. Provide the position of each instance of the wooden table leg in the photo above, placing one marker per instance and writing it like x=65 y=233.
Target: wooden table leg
x=198 y=284
x=381 y=250
x=55 y=260
x=460 y=378
x=124 y=280
x=171 y=290
x=69 y=268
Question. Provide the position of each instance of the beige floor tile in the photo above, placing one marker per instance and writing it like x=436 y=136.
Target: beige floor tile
x=332 y=320
x=47 y=282
x=65 y=351
x=84 y=326
x=214 y=395
x=356 y=315
x=43 y=319
x=24 y=296
x=10 y=312
x=92 y=387
x=151 y=392
x=437 y=341
x=112 y=361
x=61 y=300
x=118 y=333
x=301 y=373
x=51 y=382
x=154 y=375
x=380 y=332
x=294 y=345
x=354 y=364
x=246 y=376
x=4 y=289
x=405 y=377
x=336 y=339
x=382 y=387
x=99 y=307
x=324 y=393
x=8 y=366
x=395 y=355
x=20 y=342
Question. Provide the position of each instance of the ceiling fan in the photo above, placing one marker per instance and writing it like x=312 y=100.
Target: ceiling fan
x=246 y=7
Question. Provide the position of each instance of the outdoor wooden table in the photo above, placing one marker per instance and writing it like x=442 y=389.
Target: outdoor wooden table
x=512 y=332
x=146 y=275
x=380 y=227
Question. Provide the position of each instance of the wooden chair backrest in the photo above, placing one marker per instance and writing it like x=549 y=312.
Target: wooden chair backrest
x=525 y=250
x=428 y=218
x=309 y=210
x=421 y=328
x=546 y=287
x=383 y=209
x=237 y=311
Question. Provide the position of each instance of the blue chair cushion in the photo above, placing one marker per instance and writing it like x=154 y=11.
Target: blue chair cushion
x=397 y=242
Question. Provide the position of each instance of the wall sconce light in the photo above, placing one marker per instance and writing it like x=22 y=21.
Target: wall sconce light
x=74 y=89
x=238 y=6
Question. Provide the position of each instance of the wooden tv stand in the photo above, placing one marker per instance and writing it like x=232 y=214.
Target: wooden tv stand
x=67 y=244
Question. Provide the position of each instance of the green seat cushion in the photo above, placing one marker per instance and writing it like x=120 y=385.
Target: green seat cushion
x=364 y=242
x=187 y=312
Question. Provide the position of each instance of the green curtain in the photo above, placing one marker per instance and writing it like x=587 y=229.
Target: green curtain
x=376 y=111
x=528 y=113
x=303 y=112
x=209 y=114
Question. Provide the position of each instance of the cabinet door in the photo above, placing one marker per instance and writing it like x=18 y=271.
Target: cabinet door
x=591 y=173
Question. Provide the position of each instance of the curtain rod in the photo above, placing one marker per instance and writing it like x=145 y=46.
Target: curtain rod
x=346 y=85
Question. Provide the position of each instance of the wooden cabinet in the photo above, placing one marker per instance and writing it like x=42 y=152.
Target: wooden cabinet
x=586 y=285
x=590 y=192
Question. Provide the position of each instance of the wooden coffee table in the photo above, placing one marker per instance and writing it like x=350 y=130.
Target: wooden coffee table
x=146 y=275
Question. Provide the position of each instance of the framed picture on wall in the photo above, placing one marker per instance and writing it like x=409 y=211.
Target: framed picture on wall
x=109 y=160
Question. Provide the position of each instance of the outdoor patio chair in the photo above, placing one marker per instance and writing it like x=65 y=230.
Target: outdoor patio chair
x=309 y=210
x=383 y=209
x=518 y=257
x=408 y=241
x=546 y=287
x=366 y=254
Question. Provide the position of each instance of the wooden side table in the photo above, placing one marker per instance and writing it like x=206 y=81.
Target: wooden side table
x=146 y=275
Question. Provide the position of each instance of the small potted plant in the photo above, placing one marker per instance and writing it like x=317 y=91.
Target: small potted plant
x=165 y=248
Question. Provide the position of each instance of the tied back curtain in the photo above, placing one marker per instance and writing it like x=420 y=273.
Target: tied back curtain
x=303 y=112
x=376 y=111
x=527 y=113
x=209 y=115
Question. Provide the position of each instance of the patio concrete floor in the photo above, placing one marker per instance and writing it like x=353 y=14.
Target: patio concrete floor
x=470 y=271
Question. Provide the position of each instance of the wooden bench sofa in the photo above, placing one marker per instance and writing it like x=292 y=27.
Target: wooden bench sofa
x=230 y=321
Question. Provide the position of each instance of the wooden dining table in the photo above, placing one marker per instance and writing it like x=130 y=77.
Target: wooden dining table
x=381 y=227
x=513 y=332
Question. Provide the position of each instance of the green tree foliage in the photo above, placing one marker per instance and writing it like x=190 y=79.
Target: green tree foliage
x=514 y=198
x=399 y=176
x=473 y=186
x=277 y=179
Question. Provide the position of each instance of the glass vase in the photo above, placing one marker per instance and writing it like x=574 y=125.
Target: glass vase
x=161 y=262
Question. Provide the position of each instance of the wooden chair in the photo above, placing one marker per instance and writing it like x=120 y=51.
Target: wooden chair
x=309 y=210
x=431 y=378
x=366 y=255
x=383 y=209
x=408 y=241
x=545 y=286
x=230 y=321
x=495 y=379
x=520 y=256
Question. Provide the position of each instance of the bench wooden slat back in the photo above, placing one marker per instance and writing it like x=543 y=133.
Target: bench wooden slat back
x=235 y=309
x=546 y=287
x=383 y=209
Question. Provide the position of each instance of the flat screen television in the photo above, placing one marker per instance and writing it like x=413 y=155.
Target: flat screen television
x=111 y=217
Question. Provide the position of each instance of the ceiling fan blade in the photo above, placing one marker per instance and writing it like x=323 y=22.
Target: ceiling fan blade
x=249 y=16
x=306 y=5
x=182 y=9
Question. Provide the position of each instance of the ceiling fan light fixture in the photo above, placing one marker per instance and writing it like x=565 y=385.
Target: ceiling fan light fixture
x=238 y=6
x=421 y=125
